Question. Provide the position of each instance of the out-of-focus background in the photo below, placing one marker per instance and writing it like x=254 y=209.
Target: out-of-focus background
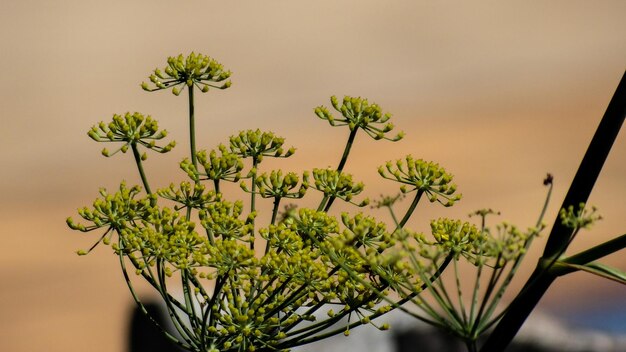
x=499 y=93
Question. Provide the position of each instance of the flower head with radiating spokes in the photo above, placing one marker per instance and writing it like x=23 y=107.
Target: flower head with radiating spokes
x=167 y=235
x=424 y=176
x=277 y=185
x=580 y=218
x=189 y=196
x=455 y=236
x=257 y=144
x=130 y=129
x=194 y=70
x=308 y=223
x=223 y=219
x=338 y=184
x=114 y=211
x=359 y=113
x=217 y=165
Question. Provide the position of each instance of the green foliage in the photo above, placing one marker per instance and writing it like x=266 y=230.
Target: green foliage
x=238 y=297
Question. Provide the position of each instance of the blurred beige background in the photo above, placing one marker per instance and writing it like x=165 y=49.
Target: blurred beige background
x=497 y=92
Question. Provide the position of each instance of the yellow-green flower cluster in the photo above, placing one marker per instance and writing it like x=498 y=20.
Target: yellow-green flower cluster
x=580 y=218
x=455 y=236
x=256 y=300
x=113 y=212
x=256 y=144
x=427 y=177
x=130 y=129
x=507 y=244
x=337 y=185
x=365 y=231
x=312 y=225
x=230 y=257
x=275 y=185
x=188 y=196
x=194 y=70
x=359 y=113
x=225 y=166
x=164 y=235
x=223 y=220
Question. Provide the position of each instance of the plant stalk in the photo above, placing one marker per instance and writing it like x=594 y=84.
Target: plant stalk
x=579 y=192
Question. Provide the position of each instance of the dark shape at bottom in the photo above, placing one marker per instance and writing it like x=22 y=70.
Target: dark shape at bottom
x=144 y=336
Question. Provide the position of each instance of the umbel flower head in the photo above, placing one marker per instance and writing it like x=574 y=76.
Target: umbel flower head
x=189 y=196
x=113 y=211
x=130 y=129
x=256 y=144
x=223 y=166
x=455 y=236
x=358 y=113
x=338 y=184
x=277 y=185
x=581 y=218
x=194 y=70
x=427 y=177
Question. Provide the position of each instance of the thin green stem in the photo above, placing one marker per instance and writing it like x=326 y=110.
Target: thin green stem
x=141 y=306
x=597 y=252
x=460 y=293
x=255 y=163
x=411 y=209
x=273 y=220
x=327 y=201
x=322 y=203
x=475 y=293
x=393 y=216
x=189 y=301
x=139 y=163
x=174 y=317
x=490 y=288
x=192 y=128
x=346 y=150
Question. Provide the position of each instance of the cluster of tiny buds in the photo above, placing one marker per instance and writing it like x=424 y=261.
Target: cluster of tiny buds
x=311 y=257
x=423 y=176
x=581 y=217
x=194 y=70
x=358 y=113
x=132 y=129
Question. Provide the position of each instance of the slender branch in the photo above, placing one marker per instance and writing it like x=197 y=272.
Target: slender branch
x=599 y=251
x=579 y=191
x=139 y=163
x=192 y=129
x=411 y=209
x=346 y=150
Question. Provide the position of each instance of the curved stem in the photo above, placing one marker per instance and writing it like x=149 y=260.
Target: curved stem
x=328 y=200
x=346 y=150
x=143 y=308
x=411 y=209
